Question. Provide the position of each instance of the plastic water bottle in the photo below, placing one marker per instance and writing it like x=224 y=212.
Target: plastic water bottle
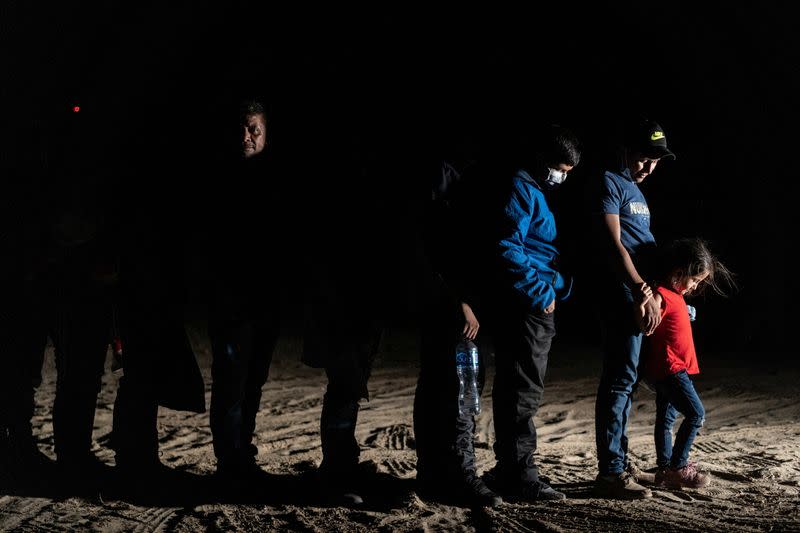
x=469 y=399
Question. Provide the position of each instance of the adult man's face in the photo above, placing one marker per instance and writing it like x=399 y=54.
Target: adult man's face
x=254 y=135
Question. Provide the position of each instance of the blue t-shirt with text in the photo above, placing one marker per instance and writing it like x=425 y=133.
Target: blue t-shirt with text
x=621 y=196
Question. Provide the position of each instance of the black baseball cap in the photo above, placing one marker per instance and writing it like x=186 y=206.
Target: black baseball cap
x=649 y=139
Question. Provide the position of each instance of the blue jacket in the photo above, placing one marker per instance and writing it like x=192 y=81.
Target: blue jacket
x=526 y=245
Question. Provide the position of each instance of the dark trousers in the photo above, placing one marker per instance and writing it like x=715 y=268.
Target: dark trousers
x=78 y=322
x=443 y=436
x=522 y=341
x=159 y=369
x=80 y=333
x=242 y=353
x=347 y=378
x=135 y=424
x=23 y=337
x=342 y=334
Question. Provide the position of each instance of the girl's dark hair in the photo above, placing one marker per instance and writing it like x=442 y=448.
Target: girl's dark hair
x=692 y=257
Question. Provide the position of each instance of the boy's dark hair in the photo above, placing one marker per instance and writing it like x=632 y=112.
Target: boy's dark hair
x=551 y=145
x=559 y=145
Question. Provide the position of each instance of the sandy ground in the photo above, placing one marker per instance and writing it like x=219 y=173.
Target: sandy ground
x=751 y=445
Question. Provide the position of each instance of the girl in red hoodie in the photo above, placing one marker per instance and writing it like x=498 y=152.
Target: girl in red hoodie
x=688 y=267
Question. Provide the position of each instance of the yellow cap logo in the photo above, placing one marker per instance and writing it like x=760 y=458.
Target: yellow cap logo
x=656 y=135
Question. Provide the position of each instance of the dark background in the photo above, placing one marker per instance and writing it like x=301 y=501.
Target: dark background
x=155 y=84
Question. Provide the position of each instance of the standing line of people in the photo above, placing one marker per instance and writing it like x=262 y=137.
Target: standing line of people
x=103 y=262
x=511 y=284
x=492 y=270
x=499 y=211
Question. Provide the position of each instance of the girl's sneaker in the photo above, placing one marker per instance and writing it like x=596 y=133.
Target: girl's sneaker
x=687 y=477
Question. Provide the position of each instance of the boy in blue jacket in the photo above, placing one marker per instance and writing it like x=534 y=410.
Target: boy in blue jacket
x=520 y=302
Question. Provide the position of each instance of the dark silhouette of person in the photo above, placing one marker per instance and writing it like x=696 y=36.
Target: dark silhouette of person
x=445 y=458
x=247 y=292
x=345 y=306
x=158 y=364
x=64 y=277
x=23 y=309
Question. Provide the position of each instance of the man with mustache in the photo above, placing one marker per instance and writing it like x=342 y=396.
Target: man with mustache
x=245 y=297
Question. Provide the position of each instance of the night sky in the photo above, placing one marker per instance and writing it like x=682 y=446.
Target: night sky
x=155 y=85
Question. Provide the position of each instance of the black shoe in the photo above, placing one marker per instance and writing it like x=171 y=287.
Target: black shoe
x=466 y=488
x=537 y=491
x=150 y=482
x=477 y=493
x=83 y=476
x=521 y=491
x=148 y=469
x=541 y=491
x=340 y=487
x=241 y=473
x=341 y=496
x=25 y=464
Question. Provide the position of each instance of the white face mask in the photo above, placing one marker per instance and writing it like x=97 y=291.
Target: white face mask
x=555 y=178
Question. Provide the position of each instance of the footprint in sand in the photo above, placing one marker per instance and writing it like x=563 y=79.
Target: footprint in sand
x=394 y=437
x=681 y=496
x=731 y=476
x=711 y=447
x=553 y=427
x=18 y=513
x=154 y=519
x=505 y=522
x=400 y=468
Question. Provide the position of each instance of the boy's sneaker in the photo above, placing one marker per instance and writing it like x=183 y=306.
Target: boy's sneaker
x=622 y=486
x=639 y=475
x=537 y=491
x=687 y=477
x=517 y=491
x=465 y=489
